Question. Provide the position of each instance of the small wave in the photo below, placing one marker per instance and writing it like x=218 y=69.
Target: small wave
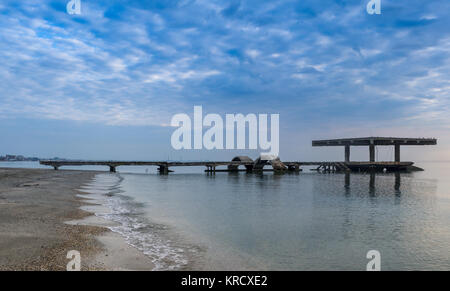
x=132 y=225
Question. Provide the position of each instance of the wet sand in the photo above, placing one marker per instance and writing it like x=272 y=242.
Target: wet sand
x=35 y=206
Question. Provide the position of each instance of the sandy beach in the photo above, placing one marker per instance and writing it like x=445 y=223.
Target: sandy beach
x=35 y=208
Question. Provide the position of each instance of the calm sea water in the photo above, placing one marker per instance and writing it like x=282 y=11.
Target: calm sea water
x=306 y=221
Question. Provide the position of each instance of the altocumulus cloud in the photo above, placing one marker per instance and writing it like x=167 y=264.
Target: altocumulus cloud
x=139 y=62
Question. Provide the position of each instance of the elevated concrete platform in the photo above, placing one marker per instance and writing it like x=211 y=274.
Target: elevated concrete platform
x=372 y=142
x=377 y=141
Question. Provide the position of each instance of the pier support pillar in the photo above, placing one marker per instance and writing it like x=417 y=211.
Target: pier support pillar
x=56 y=168
x=397 y=153
x=347 y=153
x=372 y=152
x=211 y=170
x=232 y=168
x=163 y=170
x=112 y=169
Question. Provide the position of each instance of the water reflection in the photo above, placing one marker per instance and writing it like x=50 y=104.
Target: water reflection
x=372 y=180
x=395 y=213
x=310 y=221
x=397 y=182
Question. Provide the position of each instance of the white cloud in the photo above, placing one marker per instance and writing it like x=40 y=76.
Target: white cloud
x=253 y=53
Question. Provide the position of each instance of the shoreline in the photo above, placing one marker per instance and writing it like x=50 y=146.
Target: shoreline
x=38 y=208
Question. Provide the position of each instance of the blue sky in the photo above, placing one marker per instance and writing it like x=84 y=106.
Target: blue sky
x=105 y=84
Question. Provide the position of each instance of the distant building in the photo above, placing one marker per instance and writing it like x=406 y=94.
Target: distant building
x=19 y=158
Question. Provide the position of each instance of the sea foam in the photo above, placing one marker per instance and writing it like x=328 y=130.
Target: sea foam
x=105 y=189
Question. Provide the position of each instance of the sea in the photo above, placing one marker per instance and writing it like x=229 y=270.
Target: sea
x=191 y=220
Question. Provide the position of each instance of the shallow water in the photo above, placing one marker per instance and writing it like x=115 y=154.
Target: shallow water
x=306 y=221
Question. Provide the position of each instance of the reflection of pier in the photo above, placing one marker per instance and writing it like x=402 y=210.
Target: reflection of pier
x=372 y=178
x=275 y=164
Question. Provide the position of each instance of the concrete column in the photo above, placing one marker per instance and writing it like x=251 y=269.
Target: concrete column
x=232 y=168
x=294 y=168
x=397 y=152
x=163 y=170
x=347 y=153
x=372 y=152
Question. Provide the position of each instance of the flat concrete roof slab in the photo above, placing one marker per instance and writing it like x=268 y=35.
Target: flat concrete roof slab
x=379 y=141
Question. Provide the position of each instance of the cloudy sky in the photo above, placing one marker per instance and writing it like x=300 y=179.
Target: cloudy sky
x=105 y=84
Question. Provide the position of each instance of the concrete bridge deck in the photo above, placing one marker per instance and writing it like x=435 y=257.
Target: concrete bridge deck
x=247 y=163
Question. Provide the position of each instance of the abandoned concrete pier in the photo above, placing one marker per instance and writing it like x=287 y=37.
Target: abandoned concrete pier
x=249 y=165
x=372 y=142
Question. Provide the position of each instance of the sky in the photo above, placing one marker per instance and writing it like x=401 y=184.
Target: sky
x=105 y=84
